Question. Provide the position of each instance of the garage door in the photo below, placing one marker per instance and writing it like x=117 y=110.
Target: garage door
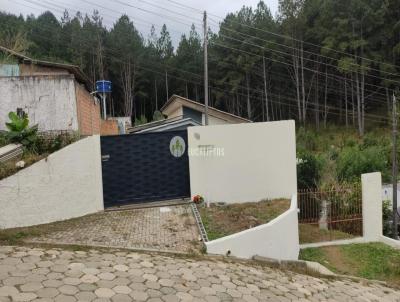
x=139 y=168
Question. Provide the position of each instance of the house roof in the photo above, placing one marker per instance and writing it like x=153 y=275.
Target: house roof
x=163 y=125
x=75 y=70
x=201 y=107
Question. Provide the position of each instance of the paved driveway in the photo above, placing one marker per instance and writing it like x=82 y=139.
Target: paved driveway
x=57 y=275
x=161 y=228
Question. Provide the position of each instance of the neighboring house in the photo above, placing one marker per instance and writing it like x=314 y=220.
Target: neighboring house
x=56 y=96
x=181 y=113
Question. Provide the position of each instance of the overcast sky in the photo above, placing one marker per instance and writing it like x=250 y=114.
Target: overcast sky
x=142 y=12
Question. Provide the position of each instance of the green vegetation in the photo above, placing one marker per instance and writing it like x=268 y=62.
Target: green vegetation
x=35 y=146
x=20 y=132
x=371 y=261
x=325 y=79
x=312 y=233
x=220 y=221
x=336 y=155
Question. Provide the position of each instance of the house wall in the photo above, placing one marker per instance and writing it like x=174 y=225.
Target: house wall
x=109 y=127
x=212 y=120
x=88 y=111
x=67 y=184
x=48 y=100
x=278 y=239
x=251 y=161
x=175 y=113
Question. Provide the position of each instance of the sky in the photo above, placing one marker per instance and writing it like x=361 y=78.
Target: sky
x=144 y=13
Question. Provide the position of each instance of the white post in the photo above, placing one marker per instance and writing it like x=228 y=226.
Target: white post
x=372 y=206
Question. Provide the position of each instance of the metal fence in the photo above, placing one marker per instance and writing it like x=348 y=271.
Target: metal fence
x=327 y=215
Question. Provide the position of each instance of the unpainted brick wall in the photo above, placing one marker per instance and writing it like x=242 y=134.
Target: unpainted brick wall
x=88 y=112
x=109 y=127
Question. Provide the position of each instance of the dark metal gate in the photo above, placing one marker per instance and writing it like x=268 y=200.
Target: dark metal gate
x=140 y=168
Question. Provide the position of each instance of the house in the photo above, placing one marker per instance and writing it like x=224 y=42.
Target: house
x=56 y=96
x=181 y=113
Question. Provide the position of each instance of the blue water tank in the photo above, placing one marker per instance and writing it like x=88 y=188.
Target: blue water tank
x=103 y=86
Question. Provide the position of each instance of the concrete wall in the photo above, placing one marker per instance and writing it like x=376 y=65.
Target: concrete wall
x=278 y=239
x=372 y=206
x=66 y=184
x=88 y=111
x=48 y=100
x=252 y=161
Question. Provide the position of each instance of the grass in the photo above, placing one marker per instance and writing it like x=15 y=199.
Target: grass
x=367 y=260
x=220 y=221
x=8 y=168
x=312 y=233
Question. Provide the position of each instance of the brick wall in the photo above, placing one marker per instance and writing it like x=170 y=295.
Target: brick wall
x=109 y=127
x=88 y=112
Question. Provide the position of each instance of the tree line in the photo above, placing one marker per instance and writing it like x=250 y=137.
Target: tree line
x=316 y=61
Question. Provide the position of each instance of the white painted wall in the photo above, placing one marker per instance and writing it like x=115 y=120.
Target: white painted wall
x=372 y=206
x=278 y=239
x=258 y=161
x=66 y=184
x=49 y=101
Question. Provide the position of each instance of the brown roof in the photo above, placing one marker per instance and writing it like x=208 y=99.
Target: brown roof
x=201 y=107
x=75 y=70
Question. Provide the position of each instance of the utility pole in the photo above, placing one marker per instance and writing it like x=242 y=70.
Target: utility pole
x=394 y=171
x=265 y=89
x=166 y=83
x=205 y=70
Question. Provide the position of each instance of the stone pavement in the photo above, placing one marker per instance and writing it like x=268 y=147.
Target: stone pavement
x=170 y=228
x=28 y=274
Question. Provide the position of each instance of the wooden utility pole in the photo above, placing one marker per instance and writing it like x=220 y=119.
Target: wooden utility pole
x=205 y=70
x=394 y=171
x=265 y=90
x=166 y=84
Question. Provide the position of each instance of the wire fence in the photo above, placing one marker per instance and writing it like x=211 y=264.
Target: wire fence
x=327 y=215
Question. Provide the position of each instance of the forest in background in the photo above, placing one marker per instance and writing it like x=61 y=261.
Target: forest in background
x=317 y=61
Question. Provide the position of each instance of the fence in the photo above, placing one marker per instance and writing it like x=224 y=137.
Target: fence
x=327 y=215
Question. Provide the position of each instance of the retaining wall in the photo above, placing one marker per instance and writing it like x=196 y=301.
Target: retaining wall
x=278 y=239
x=66 y=184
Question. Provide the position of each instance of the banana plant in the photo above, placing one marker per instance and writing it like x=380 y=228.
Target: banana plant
x=20 y=132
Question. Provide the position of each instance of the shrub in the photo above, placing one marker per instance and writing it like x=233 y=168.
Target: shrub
x=352 y=162
x=308 y=170
x=306 y=139
x=20 y=132
x=3 y=139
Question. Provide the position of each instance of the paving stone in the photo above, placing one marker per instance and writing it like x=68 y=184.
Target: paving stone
x=24 y=297
x=65 y=298
x=122 y=289
x=7 y=290
x=103 y=292
x=89 y=279
x=31 y=286
x=47 y=292
x=139 y=295
x=68 y=289
x=106 y=276
x=85 y=296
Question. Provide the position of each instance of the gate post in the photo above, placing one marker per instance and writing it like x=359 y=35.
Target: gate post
x=371 y=184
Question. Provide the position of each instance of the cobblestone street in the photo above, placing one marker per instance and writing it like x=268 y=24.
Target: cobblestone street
x=171 y=228
x=28 y=274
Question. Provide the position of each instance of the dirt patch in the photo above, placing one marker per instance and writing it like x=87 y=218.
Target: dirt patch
x=336 y=259
x=309 y=233
x=221 y=221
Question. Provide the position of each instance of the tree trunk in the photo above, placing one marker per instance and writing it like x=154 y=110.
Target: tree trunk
x=303 y=89
x=345 y=103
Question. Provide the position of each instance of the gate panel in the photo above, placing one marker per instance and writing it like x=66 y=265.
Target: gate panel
x=140 y=168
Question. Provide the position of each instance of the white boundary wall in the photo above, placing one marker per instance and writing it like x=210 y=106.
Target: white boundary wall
x=251 y=161
x=278 y=239
x=66 y=184
x=372 y=215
